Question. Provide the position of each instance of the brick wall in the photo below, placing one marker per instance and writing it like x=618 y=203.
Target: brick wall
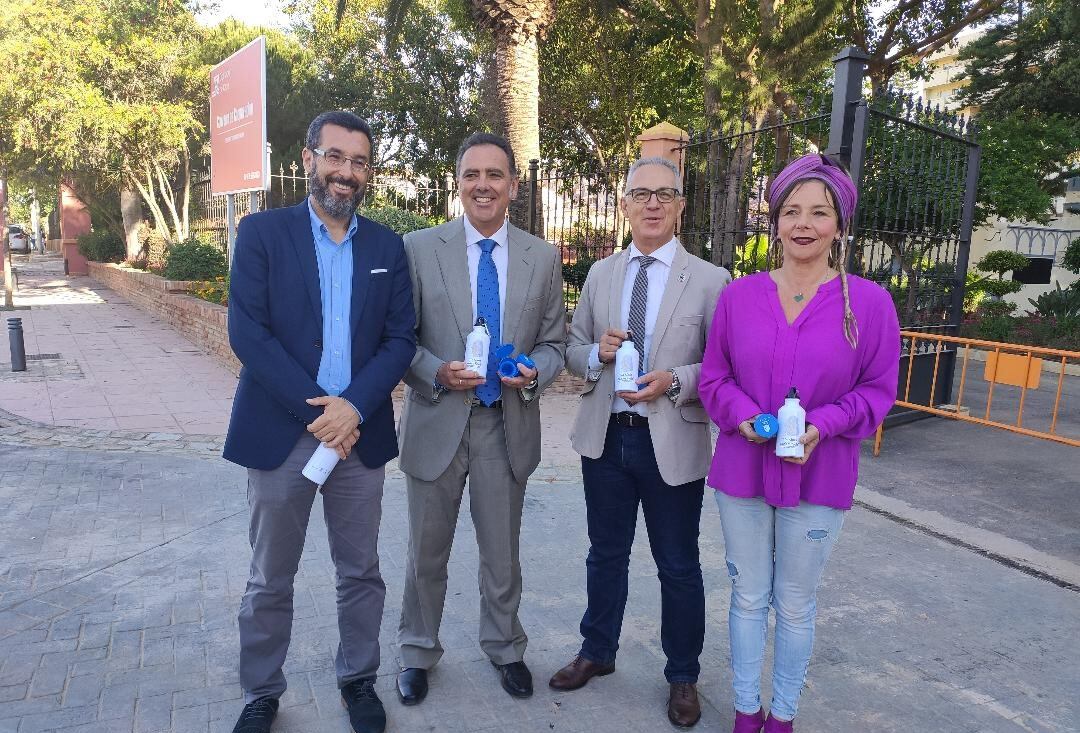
x=205 y=324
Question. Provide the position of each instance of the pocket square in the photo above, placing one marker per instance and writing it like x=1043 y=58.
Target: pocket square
x=376 y=272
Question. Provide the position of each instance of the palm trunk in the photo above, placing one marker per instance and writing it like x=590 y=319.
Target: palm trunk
x=517 y=66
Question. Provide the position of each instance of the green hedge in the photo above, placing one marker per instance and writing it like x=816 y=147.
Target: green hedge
x=400 y=220
x=102 y=246
x=194 y=260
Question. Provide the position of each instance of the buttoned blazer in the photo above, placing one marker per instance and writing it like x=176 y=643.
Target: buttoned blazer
x=534 y=321
x=275 y=330
x=679 y=431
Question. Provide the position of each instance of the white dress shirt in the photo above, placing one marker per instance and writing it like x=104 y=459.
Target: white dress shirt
x=500 y=253
x=657 y=274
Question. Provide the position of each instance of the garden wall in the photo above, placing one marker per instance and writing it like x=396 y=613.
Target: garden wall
x=204 y=324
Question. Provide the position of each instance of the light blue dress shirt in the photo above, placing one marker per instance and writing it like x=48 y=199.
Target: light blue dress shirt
x=335 y=285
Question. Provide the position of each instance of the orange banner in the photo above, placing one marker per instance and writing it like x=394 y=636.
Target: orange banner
x=238 y=121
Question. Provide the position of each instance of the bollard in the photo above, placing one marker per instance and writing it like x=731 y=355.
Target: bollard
x=18 y=348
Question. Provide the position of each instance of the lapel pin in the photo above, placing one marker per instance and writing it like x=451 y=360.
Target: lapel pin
x=682 y=277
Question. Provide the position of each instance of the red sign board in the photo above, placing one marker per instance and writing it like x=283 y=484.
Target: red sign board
x=238 y=121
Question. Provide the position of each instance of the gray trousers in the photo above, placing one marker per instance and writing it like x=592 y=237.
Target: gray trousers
x=280 y=503
x=495 y=499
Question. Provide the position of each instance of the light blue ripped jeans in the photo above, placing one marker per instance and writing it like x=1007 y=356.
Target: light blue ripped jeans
x=774 y=556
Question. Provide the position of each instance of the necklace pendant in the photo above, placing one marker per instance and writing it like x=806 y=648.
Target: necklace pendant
x=798 y=298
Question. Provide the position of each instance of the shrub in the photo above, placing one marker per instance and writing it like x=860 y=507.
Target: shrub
x=1058 y=303
x=400 y=220
x=102 y=246
x=1001 y=261
x=1000 y=288
x=1071 y=260
x=216 y=291
x=194 y=260
x=574 y=273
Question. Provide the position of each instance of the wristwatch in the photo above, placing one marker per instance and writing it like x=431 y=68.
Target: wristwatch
x=675 y=388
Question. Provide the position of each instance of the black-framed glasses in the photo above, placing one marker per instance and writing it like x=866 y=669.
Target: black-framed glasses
x=642 y=195
x=337 y=160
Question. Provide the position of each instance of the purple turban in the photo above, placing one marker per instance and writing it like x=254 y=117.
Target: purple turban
x=824 y=169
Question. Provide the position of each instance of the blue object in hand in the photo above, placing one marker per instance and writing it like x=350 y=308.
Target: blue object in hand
x=507 y=362
x=766 y=426
x=508 y=368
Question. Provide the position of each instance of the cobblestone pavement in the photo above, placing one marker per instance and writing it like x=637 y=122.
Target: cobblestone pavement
x=121 y=572
x=123 y=556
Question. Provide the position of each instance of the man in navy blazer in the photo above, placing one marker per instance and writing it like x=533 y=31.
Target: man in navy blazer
x=321 y=316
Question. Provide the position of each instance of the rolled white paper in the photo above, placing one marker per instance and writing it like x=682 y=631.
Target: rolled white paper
x=320 y=464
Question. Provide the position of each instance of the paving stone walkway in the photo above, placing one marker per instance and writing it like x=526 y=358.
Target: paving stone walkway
x=120 y=575
x=123 y=556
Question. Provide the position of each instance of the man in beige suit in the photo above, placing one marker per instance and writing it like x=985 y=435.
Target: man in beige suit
x=650 y=447
x=457 y=423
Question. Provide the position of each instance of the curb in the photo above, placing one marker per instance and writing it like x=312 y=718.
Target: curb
x=21 y=431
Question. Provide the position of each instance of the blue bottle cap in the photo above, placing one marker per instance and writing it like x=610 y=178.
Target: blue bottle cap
x=526 y=361
x=504 y=352
x=766 y=426
x=508 y=368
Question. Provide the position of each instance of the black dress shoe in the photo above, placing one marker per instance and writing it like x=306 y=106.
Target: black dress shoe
x=412 y=685
x=516 y=678
x=257 y=716
x=366 y=714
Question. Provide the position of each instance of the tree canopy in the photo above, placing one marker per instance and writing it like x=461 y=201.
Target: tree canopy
x=1023 y=76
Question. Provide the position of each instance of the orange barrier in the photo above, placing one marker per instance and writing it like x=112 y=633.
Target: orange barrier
x=1005 y=364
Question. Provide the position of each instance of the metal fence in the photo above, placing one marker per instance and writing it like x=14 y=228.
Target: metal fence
x=288 y=186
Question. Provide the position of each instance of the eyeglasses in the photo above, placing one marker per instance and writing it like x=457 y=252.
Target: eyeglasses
x=642 y=195
x=337 y=160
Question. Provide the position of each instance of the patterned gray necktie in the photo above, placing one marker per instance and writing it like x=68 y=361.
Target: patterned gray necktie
x=639 y=301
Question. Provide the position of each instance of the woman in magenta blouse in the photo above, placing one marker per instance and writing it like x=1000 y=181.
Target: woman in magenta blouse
x=835 y=337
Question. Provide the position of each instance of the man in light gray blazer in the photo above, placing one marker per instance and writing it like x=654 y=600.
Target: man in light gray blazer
x=650 y=447
x=457 y=423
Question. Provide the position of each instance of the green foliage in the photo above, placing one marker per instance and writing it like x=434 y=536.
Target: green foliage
x=995 y=328
x=400 y=220
x=1071 y=259
x=1058 y=303
x=193 y=259
x=1023 y=167
x=1000 y=261
x=605 y=77
x=1000 y=288
x=102 y=245
x=754 y=256
x=421 y=94
x=99 y=92
x=995 y=321
x=997 y=308
x=214 y=292
x=1023 y=76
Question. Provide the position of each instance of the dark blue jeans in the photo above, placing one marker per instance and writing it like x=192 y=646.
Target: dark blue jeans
x=623 y=477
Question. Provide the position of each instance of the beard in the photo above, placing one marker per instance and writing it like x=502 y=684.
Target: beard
x=334 y=205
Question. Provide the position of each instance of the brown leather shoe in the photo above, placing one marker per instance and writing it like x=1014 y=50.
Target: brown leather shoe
x=683 y=708
x=578 y=672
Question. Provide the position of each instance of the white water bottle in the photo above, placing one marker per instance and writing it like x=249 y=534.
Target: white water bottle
x=477 y=345
x=320 y=464
x=792 y=419
x=626 y=367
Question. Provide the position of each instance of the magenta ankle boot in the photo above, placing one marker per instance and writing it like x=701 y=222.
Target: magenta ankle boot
x=748 y=723
x=772 y=725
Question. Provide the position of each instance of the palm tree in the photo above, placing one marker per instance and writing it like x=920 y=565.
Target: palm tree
x=517 y=27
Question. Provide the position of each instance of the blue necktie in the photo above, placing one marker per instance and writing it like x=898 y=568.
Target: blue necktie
x=488 y=308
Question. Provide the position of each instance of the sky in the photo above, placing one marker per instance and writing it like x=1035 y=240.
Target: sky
x=252 y=12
